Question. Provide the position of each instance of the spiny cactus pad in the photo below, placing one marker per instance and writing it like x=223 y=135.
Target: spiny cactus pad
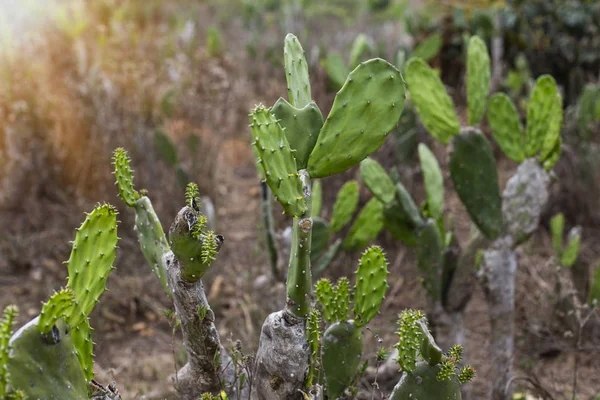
x=151 y=236
x=371 y=285
x=506 y=126
x=377 y=180
x=430 y=257
x=60 y=305
x=539 y=113
x=92 y=257
x=6 y=325
x=124 y=176
x=410 y=336
x=364 y=111
x=301 y=127
x=345 y=205
x=46 y=367
x=422 y=383
x=434 y=106
x=434 y=182
x=366 y=227
x=278 y=161
x=326 y=298
x=341 y=299
x=473 y=172
x=83 y=346
x=296 y=72
x=478 y=79
x=553 y=135
x=360 y=46
x=342 y=346
x=430 y=351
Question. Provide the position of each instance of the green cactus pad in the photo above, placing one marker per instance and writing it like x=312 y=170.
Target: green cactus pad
x=336 y=69
x=296 y=72
x=345 y=205
x=366 y=227
x=406 y=202
x=434 y=182
x=553 y=135
x=165 y=147
x=429 y=350
x=430 y=47
x=553 y=157
x=46 y=367
x=377 y=180
x=6 y=325
x=342 y=346
x=478 y=79
x=60 y=305
x=410 y=337
x=434 y=106
x=341 y=299
x=301 y=126
x=399 y=225
x=326 y=298
x=430 y=251
x=506 y=126
x=313 y=336
x=327 y=258
x=124 y=176
x=473 y=172
x=422 y=383
x=359 y=48
x=92 y=257
x=83 y=346
x=151 y=236
x=371 y=285
x=320 y=238
x=364 y=111
x=539 y=113
x=278 y=161
x=317 y=198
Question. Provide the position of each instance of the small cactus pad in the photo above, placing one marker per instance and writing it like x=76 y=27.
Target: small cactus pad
x=328 y=256
x=165 y=147
x=6 y=325
x=399 y=224
x=320 y=238
x=296 y=72
x=278 y=161
x=473 y=172
x=313 y=336
x=478 y=79
x=553 y=135
x=364 y=111
x=377 y=180
x=359 y=48
x=92 y=257
x=341 y=299
x=344 y=206
x=151 y=236
x=341 y=350
x=336 y=69
x=371 y=285
x=430 y=251
x=366 y=227
x=434 y=106
x=316 y=198
x=301 y=127
x=506 y=126
x=406 y=202
x=45 y=366
x=60 y=305
x=423 y=383
x=410 y=337
x=326 y=298
x=124 y=176
x=430 y=351
x=83 y=346
x=539 y=113
x=553 y=157
x=434 y=182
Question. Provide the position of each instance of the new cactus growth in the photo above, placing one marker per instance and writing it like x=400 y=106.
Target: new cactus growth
x=427 y=373
x=6 y=329
x=342 y=342
x=567 y=255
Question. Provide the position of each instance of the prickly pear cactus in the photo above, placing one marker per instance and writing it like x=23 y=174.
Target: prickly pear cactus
x=366 y=226
x=342 y=346
x=124 y=176
x=278 y=162
x=301 y=126
x=433 y=104
x=371 y=285
x=60 y=305
x=296 y=72
x=45 y=366
x=430 y=250
x=434 y=182
x=345 y=205
x=364 y=111
x=506 y=126
x=6 y=329
x=377 y=180
x=475 y=179
x=478 y=79
x=539 y=113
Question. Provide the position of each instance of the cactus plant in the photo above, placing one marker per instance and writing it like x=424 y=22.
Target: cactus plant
x=335 y=66
x=427 y=373
x=567 y=255
x=343 y=341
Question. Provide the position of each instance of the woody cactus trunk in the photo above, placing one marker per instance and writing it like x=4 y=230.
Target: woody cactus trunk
x=503 y=222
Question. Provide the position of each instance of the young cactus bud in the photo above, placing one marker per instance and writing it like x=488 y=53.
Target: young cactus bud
x=326 y=298
x=277 y=160
x=434 y=106
x=124 y=176
x=341 y=296
x=313 y=335
x=296 y=72
x=478 y=79
x=345 y=205
x=60 y=305
x=410 y=336
x=364 y=111
x=371 y=285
